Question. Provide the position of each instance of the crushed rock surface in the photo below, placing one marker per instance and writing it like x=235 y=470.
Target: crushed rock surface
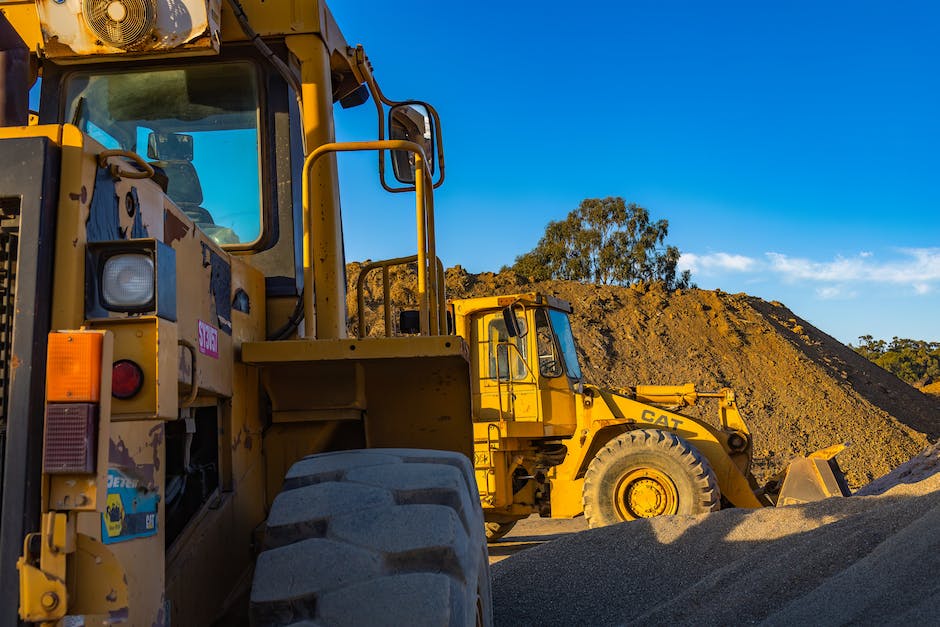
x=871 y=558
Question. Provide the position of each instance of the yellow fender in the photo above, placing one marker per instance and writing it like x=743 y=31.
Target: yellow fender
x=618 y=414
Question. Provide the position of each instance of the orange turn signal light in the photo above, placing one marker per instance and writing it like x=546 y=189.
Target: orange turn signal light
x=73 y=367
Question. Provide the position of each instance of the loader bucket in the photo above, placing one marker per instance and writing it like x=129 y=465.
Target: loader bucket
x=814 y=478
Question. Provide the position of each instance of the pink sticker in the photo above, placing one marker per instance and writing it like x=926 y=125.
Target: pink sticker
x=208 y=340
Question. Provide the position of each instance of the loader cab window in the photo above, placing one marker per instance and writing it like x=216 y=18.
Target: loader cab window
x=562 y=327
x=199 y=125
x=550 y=359
x=506 y=357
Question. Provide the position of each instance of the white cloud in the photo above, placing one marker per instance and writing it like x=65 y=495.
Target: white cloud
x=713 y=262
x=835 y=292
x=915 y=268
x=918 y=267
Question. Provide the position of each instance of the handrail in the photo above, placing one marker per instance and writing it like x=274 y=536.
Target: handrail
x=510 y=380
x=145 y=172
x=430 y=312
x=439 y=325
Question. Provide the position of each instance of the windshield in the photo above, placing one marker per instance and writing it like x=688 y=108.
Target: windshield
x=562 y=327
x=197 y=125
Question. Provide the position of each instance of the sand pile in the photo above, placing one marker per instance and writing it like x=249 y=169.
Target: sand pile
x=864 y=559
x=798 y=388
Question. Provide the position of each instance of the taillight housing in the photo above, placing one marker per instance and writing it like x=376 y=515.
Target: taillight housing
x=73 y=367
x=127 y=378
x=71 y=438
x=73 y=394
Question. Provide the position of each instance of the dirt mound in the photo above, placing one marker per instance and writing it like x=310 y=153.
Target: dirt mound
x=863 y=559
x=798 y=388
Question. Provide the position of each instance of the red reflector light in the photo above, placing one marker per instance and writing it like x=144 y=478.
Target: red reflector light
x=126 y=379
x=70 y=438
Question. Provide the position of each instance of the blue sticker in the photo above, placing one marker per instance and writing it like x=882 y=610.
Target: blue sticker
x=130 y=509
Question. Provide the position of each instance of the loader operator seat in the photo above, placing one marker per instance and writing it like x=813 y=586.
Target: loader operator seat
x=184 y=189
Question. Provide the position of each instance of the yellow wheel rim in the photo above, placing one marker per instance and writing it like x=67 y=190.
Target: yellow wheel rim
x=645 y=493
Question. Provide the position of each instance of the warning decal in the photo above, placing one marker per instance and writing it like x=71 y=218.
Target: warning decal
x=208 y=340
x=130 y=509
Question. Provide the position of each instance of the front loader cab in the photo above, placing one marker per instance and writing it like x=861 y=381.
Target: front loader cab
x=555 y=354
x=198 y=126
x=523 y=358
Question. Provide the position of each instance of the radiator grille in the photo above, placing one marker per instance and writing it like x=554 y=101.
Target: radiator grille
x=9 y=231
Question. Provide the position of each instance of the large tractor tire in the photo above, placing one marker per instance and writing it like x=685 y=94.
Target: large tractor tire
x=647 y=473
x=375 y=537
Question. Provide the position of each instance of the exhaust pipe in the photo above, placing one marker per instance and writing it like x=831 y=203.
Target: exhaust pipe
x=14 y=76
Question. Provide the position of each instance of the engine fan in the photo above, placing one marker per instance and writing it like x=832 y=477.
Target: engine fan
x=120 y=23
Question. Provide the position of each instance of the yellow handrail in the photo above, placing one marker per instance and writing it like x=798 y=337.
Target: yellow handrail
x=437 y=294
x=430 y=312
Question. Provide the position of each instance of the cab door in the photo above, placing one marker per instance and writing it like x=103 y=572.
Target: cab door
x=505 y=384
x=557 y=399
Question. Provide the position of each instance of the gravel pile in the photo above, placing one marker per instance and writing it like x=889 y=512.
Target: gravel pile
x=872 y=558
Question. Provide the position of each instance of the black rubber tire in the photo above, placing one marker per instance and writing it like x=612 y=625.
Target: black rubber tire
x=375 y=537
x=496 y=530
x=645 y=453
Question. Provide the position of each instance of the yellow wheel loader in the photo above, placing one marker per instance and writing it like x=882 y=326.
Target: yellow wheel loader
x=545 y=441
x=188 y=436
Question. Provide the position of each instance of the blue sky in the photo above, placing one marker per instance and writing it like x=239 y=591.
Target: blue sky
x=793 y=147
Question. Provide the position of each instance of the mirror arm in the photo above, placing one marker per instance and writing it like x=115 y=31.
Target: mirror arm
x=362 y=63
x=379 y=98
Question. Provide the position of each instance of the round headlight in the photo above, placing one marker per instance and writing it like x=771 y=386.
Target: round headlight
x=127 y=281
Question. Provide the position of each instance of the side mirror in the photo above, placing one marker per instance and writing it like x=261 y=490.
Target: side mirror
x=411 y=122
x=515 y=326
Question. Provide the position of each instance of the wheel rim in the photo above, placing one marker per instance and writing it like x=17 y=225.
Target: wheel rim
x=645 y=493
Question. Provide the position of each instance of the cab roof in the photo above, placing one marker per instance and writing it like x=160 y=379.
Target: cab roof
x=467 y=306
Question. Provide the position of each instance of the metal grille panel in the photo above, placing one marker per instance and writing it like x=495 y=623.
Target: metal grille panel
x=69 y=441
x=9 y=227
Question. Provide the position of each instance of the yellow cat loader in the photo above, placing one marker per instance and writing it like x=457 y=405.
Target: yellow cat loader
x=188 y=436
x=545 y=441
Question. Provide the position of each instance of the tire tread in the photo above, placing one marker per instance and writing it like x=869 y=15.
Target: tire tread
x=371 y=537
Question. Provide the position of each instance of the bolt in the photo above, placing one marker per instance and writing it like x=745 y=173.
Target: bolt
x=49 y=601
